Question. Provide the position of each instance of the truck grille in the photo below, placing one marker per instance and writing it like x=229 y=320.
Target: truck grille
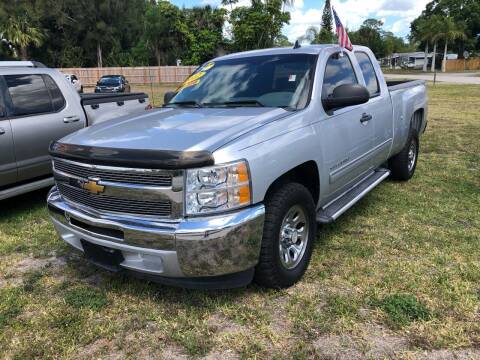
x=151 y=178
x=114 y=204
x=120 y=190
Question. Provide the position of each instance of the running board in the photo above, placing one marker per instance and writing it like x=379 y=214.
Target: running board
x=25 y=188
x=334 y=209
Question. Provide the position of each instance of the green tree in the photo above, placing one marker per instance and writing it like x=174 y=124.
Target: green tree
x=282 y=41
x=370 y=34
x=449 y=32
x=424 y=33
x=164 y=31
x=311 y=35
x=257 y=26
x=205 y=33
x=461 y=11
x=326 y=31
x=21 y=31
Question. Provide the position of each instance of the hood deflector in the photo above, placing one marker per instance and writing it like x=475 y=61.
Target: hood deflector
x=132 y=158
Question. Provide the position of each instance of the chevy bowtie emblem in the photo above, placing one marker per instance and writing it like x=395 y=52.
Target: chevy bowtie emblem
x=93 y=187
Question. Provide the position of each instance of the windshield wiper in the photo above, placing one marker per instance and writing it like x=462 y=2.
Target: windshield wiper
x=236 y=103
x=184 y=103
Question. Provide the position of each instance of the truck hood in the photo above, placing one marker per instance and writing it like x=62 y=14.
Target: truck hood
x=179 y=129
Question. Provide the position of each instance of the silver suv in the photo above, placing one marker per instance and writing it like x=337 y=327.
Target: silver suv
x=38 y=105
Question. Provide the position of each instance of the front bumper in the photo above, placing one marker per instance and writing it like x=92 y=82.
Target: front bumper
x=199 y=247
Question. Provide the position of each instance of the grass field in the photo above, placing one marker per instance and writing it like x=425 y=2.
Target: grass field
x=155 y=91
x=398 y=276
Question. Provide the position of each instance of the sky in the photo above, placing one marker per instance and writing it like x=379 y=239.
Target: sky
x=396 y=14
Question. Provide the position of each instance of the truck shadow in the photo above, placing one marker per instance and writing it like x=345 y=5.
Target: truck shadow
x=22 y=204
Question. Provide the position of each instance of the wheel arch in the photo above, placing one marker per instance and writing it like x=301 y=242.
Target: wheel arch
x=306 y=174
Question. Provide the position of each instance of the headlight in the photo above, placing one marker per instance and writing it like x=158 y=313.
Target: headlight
x=217 y=188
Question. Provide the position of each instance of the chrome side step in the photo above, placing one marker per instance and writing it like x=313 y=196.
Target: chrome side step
x=334 y=209
x=25 y=188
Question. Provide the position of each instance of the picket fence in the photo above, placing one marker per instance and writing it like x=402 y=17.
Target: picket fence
x=461 y=65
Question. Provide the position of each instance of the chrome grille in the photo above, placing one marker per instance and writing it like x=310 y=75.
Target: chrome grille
x=115 y=204
x=151 y=178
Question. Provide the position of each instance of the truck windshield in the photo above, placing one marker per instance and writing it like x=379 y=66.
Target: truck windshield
x=272 y=81
x=109 y=81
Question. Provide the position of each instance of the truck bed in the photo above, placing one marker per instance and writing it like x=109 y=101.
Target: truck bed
x=403 y=84
x=101 y=107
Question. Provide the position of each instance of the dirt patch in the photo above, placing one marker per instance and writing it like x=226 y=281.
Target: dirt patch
x=371 y=342
x=465 y=354
x=221 y=325
x=32 y=264
x=337 y=347
x=173 y=353
x=382 y=344
x=224 y=355
x=102 y=347
x=16 y=269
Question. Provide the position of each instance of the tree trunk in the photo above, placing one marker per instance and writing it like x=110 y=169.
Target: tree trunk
x=99 y=55
x=158 y=56
x=434 y=56
x=444 y=62
x=23 y=53
x=425 y=60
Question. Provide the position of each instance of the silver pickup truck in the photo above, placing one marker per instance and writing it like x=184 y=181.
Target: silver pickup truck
x=226 y=183
x=37 y=106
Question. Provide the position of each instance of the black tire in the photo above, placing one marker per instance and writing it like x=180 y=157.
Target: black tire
x=270 y=272
x=400 y=164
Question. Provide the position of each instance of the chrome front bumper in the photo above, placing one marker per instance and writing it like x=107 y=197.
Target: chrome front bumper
x=189 y=248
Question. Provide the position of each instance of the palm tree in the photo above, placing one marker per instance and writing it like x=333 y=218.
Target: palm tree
x=450 y=31
x=311 y=35
x=18 y=31
x=425 y=32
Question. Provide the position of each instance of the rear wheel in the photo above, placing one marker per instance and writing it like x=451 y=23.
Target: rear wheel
x=288 y=236
x=403 y=164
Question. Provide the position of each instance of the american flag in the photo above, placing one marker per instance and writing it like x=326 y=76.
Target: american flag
x=343 y=39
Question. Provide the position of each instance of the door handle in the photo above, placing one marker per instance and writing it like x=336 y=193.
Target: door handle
x=71 y=119
x=2 y=131
x=365 y=118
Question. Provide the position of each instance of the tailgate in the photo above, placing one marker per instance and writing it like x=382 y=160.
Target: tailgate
x=102 y=107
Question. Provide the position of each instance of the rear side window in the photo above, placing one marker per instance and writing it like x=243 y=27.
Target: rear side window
x=338 y=71
x=368 y=73
x=58 y=101
x=2 y=107
x=31 y=94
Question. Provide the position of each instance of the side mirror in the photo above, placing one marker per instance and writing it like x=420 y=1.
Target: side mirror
x=346 y=95
x=168 y=96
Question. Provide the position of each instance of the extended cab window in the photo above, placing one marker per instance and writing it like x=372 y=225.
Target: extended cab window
x=30 y=95
x=338 y=71
x=368 y=73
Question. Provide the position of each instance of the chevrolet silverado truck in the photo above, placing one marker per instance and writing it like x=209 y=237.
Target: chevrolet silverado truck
x=37 y=106
x=227 y=182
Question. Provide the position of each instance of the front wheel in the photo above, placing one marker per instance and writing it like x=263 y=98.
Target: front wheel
x=288 y=236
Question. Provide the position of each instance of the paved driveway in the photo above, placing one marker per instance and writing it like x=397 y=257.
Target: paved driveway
x=452 y=78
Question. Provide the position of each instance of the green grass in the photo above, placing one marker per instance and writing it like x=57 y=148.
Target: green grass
x=154 y=91
x=404 y=263
x=402 y=309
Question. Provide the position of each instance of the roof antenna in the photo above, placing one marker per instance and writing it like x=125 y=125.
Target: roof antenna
x=297 y=45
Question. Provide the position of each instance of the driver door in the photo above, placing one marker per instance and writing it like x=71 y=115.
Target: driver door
x=345 y=135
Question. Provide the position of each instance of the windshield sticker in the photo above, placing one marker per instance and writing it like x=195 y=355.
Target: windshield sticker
x=195 y=78
x=292 y=78
x=208 y=66
x=192 y=80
